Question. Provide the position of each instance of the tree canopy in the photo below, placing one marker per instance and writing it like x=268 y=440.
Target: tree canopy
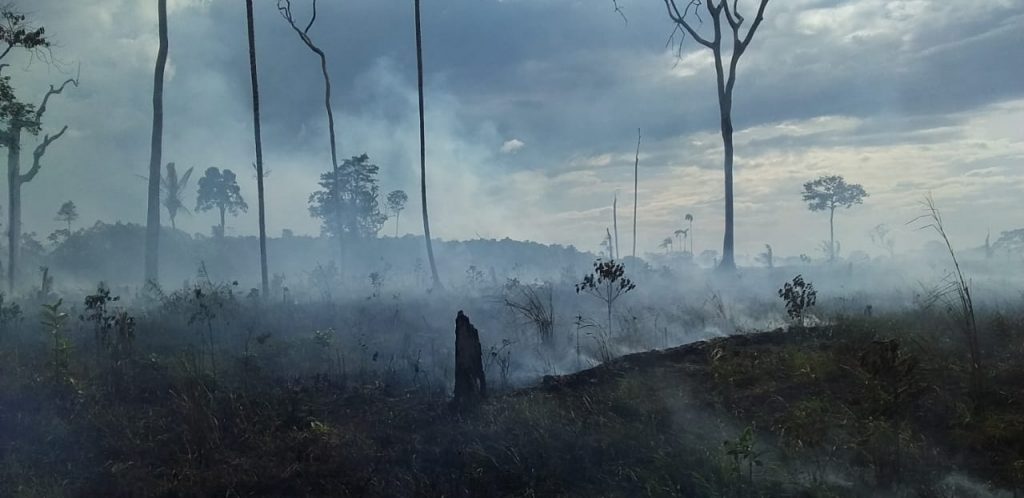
x=396 y=201
x=828 y=193
x=831 y=192
x=1011 y=241
x=353 y=188
x=218 y=189
x=17 y=32
x=67 y=213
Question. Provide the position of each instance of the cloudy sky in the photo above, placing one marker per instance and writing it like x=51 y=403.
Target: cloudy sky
x=533 y=108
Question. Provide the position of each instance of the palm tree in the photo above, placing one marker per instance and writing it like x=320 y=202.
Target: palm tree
x=684 y=234
x=689 y=218
x=666 y=244
x=265 y=283
x=423 y=150
x=173 y=188
x=155 y=150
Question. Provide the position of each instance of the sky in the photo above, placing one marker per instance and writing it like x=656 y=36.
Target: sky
x=532 y=111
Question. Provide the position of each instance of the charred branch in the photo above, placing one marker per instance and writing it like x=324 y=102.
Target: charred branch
x=53 y=91
x=37 y=155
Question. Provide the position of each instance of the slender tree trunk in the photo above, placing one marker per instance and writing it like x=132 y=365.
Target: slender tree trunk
x=725 y=91
x=728 y=261
x=691 y=238
x=725 y=109
x=173 y=226
x=14 y=205
x=397 y=214
x=264 y=280
x=608 y=305
x=636 y=176
x=423 y=151
x=334 y=153
x=832 y=234
x=222 y=228
x=615 y=224
x=304 y=36
x=156 y=149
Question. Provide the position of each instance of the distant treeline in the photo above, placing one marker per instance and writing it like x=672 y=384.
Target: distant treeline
x=113 y=252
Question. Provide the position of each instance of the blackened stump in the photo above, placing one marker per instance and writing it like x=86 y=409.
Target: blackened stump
x=470 y=385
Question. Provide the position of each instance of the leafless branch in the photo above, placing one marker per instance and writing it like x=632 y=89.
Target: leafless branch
x=53 y=91
x=678 y=46
x=753 y=27
x=732 y=15
x=285 y=8
x=256 y=172
x=312 y=19
x=37 y=155
x=956 y=285
x=680 y=18
x=618 y=10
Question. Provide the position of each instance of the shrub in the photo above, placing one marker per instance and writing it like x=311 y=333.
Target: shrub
x=608 y=282
x=798 y=296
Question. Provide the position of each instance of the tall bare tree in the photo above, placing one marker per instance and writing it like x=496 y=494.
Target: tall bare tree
x=17 y=32
x=285 y=8
x=615 y=223
x=719 y=10
x=423 y=150
x=264 y=281
x=24 y=120
x=155 y=151
x=636 y=176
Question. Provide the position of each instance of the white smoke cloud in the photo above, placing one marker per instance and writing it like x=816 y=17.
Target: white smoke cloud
x=512 y=146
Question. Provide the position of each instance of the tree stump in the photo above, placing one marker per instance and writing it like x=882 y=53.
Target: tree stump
x=470 y=385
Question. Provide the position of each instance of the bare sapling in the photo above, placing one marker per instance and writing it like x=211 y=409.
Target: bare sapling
x=956 y=290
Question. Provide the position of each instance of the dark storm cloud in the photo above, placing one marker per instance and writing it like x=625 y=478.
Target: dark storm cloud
x=569 y=76
x=567 y=79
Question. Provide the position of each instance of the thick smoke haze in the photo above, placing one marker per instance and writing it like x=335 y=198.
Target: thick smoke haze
x=533 y=107
x=863 y=336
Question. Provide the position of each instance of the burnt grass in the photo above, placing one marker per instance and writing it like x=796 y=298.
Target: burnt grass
x=830 y=411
